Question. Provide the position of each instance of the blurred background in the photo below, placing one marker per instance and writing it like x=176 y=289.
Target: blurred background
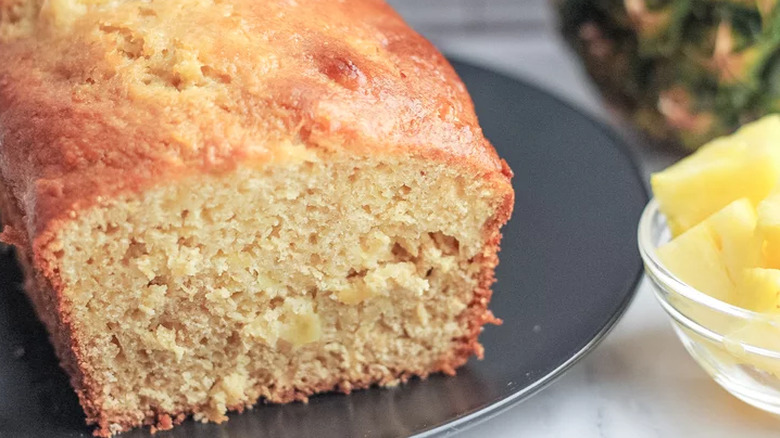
x=519 y=37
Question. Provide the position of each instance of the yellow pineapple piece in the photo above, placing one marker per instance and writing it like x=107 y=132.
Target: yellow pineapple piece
x=734 y=228
x=758 y=290
x=743 y=165
x=769 y=228
x=712 y=255
x=694 y=257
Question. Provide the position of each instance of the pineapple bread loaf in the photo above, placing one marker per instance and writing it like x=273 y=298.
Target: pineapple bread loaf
x=217 y=202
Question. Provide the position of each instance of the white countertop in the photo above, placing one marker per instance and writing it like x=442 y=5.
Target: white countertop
x=640 y=382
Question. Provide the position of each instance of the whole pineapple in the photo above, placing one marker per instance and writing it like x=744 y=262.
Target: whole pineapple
x=681 y=70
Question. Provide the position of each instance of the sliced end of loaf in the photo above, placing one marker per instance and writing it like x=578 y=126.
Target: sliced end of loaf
x=205 y=294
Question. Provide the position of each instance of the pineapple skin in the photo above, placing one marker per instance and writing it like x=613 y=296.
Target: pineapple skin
x=682 y=71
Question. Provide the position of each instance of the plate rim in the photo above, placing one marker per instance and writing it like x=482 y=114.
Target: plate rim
x=468 y=420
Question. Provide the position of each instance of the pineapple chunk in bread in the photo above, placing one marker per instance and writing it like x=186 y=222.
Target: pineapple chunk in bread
x=217 y=202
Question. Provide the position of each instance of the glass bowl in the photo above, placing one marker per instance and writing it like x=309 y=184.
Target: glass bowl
x=739 y=348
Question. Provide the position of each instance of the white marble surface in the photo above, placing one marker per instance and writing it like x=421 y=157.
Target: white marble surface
x=639 y=382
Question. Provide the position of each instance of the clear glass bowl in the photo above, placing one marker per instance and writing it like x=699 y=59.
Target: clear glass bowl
x=739 y=348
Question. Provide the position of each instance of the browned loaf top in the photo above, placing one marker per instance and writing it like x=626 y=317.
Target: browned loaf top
x=97 y=98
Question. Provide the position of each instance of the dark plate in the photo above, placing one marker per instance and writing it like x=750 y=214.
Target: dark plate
x=569 y=267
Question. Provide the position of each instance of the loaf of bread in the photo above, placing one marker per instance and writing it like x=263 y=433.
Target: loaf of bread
x=217 y=202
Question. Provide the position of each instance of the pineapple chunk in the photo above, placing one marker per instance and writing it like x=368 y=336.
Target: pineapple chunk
x=694 y=257
x=743 y=165
x=734 y=229
x=769 y=228
x=713 y=255
x=758 y=290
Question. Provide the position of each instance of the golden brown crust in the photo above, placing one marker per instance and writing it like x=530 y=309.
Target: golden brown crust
x=78 y=119
x=92 y=106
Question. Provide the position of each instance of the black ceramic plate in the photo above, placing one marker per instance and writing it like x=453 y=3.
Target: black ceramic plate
x=569 y=267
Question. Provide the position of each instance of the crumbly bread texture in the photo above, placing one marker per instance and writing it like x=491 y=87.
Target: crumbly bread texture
x=217 y=202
